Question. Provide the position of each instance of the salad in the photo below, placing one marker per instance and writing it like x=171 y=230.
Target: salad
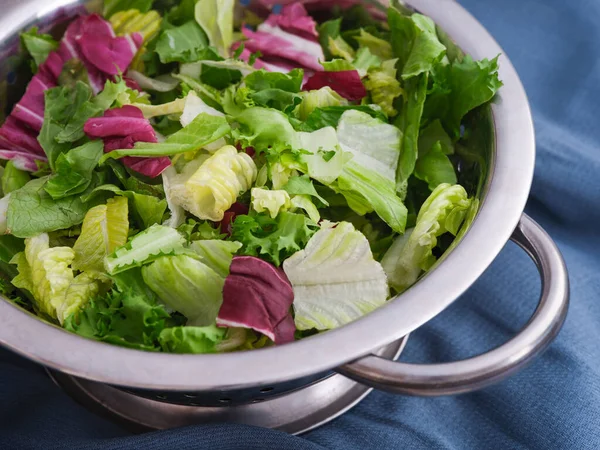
x=203 y=176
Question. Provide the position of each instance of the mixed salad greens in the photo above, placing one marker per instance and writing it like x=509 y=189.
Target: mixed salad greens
x=203 y=176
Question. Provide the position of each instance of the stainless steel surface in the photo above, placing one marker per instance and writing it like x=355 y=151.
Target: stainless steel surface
x=295 y=413
x=506 y=193
x=480 y=371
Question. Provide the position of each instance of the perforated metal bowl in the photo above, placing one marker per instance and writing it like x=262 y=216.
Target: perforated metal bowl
x=295 y=387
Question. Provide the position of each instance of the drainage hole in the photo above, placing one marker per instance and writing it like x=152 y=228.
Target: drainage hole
x=258 y=400
x=225 y=400
x=161 y=397
x=267 y=389
x=190 y=396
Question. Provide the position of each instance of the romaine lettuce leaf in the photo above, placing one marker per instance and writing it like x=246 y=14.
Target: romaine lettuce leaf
x=188 y=286
x=145 y=247
x=216 y=19
x=134 y=20
x=444 y=211
x=271 y=202
x=216 y=254
x=272 y=239
x=335 y=279
x=305 y=203
x=105 y=228
x=82 y=288
x=114 y=6
x=378 y=47
x=45 y=272
x=191 y=340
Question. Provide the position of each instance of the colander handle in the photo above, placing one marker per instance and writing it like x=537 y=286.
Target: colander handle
x=483 y=370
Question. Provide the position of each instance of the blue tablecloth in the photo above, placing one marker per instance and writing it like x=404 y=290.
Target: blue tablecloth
x=554 y=403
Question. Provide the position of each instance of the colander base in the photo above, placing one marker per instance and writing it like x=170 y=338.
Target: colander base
x=294 y=413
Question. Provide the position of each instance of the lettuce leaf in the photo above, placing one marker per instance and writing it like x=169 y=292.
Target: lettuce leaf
x=444 y=211
x=409 y=122
x=335 y=279
x=182 y=44
x=31 y=210
x=215 y=185
x=272 y=239
x=434 y=167
x=289 y=82
x=13 y=178
x=45 y=272
x=378 y=47
x=216 y=19
x=305 y=203
x=415 y=43
x=105 y=228
x=188 y=286
x=303 y=186
x=265 y=129
x=38 y=45
x=191 y=340
x=145 y=247
x=320 y=98
x=271 y=202
x=128 y=316
x=325 y=159
x=216 y=254
x=384 y=87
x=74 y=170
x=459 y=88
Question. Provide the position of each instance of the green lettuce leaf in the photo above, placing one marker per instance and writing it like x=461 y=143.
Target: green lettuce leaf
x=145 y=247
x=322 y=98
x=303 y=186
x=216 y=254
x=305 y=203
x=203 y=130
x=203 y=230
x=435 y=168
x=444 y=211
x=459 y=88
x=191 y=340
x=409 y=122
x=415 y=43
x=337 y=65
x=273 y=239
x=329 y=30
x=127 y=316
x=335 y=279
x=182 y=44
x=13 y=178
x=216 y=19
x=188 y=286
x=38 y=45
x=74 y=170
x=265 y=129
x=61 y=106
x=31 y=210
x=365 y=60
x=378 y=47
x=324 y=158
x=278 y=99
x=289 y=82
x=105 y=228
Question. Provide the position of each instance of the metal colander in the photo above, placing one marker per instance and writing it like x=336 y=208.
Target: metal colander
x=298 y=386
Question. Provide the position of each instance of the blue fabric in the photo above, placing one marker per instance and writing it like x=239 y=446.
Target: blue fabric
x=554 y=403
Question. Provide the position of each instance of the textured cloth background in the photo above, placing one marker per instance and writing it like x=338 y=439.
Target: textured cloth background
x=553 y=404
